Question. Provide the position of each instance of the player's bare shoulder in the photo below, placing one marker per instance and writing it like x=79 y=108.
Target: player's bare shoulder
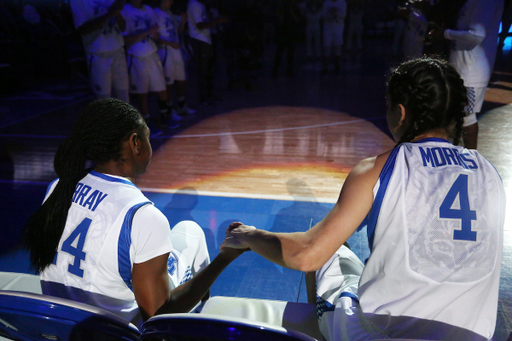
x=372 y=166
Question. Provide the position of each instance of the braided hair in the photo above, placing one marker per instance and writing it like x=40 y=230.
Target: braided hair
x=433 y=94
x=97 y=135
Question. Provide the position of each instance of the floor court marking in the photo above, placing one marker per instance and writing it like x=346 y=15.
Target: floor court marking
x=203 y=193
x=275 y=130
x=217 y=134
x=241 y=195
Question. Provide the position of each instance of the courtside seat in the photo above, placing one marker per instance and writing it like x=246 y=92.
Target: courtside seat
x=20 y=282
x=28 y=316
x=205 y=327
x=295 y=316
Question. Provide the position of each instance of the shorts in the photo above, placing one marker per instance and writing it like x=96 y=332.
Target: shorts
x=475 y=100
x=108 y=70
x=173 y=64
x=336 y=289
x=146 y=74
x=333 y=35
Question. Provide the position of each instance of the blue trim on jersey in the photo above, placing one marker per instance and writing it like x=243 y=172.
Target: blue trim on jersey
x=432 y=139
x=111 y=178
x=124 y=263
x=50 y=186
x=349 y=294
x=384 y=177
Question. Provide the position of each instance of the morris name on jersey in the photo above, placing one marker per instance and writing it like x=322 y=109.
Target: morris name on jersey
x=443 y=156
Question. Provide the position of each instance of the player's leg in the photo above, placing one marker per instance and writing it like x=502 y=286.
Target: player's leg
x=100 y=75
x=309 y=41
x=139 y=83
x=201 y=56
x=338 y=43
x=290 y=59
x=336 y=287
x=165 y=58
x=327 y=42
x=179 y=76
x=317 y=39
x=188 y=240
x=470 y=129
x=157 y=83
x=120 y=81
x=139 y=87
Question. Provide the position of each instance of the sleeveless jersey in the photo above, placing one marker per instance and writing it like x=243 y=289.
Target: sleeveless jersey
x=100 y=244
x=436 y=235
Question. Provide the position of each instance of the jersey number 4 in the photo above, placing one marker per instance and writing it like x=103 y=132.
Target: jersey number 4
x=79 y=234
x=463 y=212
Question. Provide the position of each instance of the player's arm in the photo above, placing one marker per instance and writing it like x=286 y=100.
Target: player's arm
x=98 y=22
x=185 y=297
x=309 y=250
x=195 y=17
x=150 y=280
x=184 y=19
x=151 y=285
x=121 y=22
x=135 y=37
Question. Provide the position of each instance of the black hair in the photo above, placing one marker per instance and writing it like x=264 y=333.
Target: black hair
x=433 y=94
x=97 y=135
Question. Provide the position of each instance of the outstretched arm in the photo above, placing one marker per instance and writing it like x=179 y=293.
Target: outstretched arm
x=151 y=284
x=309 y=250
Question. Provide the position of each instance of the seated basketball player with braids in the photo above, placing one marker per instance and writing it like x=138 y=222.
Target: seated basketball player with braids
x=435 y=214
x=97 y=239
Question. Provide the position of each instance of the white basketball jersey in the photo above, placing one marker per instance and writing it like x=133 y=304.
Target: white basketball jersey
x=436 y=234
x=100 y=244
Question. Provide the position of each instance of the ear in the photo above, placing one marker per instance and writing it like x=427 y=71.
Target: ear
x=134 y=143
x=403 y=116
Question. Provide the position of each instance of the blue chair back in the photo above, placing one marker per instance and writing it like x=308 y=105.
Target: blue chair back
x=28 y=316
x=203 y=327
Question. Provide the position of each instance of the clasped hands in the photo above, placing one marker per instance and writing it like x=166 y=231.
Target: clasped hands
x=235 y=236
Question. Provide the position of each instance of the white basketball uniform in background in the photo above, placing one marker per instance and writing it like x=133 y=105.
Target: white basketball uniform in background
x=144 y=65
x=333 y=15
x=172 y=59
x=436 y=234
x=196 y=13
x=110 y=226
x=105 y=49
x=474 y=47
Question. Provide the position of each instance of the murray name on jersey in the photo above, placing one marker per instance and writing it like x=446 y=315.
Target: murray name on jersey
x=444 y=156
x=86 y=197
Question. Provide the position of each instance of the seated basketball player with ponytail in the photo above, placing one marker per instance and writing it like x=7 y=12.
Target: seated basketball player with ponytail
x=97 y=239
x=434 y=212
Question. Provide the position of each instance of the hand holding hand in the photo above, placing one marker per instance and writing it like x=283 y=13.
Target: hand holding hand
x=231 y=247
x=235 y=234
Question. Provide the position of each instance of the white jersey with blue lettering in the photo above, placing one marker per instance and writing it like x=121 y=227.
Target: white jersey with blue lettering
x=102 y=240
x=436 y=235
